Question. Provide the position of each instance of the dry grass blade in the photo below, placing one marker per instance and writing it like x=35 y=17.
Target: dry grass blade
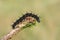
x=19 y=27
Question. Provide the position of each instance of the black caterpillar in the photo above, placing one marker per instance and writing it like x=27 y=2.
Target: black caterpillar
x=23 y=17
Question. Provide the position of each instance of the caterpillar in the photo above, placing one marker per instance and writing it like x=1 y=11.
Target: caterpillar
x=24 y=17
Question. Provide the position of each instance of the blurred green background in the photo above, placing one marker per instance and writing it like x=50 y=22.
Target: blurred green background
x=47 y=10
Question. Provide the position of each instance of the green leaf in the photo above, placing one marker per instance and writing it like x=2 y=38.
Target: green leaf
x=29 y=25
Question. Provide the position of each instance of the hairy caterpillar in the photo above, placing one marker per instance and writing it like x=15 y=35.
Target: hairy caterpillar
x=24 y=17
